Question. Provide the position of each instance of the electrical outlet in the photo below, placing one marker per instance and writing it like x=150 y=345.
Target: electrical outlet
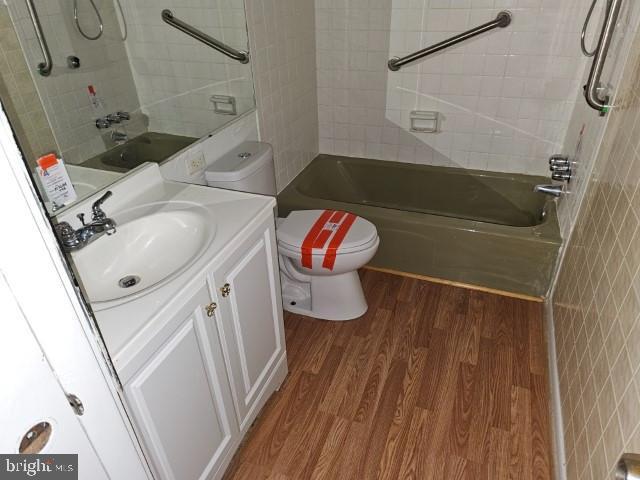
x=195 y=164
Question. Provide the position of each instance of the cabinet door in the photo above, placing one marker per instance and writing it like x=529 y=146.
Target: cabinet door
x=181 y=400
x=248 y=290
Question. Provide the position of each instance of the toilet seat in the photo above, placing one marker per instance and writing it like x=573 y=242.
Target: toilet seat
x=320 y=252
x=293 y=231
x=292 y=250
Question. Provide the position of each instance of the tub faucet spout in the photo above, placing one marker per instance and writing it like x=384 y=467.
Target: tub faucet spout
x=553 y=190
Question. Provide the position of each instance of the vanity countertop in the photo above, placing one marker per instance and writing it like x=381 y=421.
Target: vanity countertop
x=127 y=323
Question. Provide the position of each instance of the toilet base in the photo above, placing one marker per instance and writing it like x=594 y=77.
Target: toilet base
x=334 y=297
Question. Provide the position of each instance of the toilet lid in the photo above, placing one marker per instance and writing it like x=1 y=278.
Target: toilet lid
x=330 y=226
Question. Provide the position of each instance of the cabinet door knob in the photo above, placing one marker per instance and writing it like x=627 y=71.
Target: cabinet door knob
x=225 y=290
x=211 y=309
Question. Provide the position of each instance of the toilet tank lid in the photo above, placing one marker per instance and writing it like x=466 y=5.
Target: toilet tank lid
x=293 y=230
x=239 y=163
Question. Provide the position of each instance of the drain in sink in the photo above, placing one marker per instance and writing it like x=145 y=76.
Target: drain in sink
x=129 y=281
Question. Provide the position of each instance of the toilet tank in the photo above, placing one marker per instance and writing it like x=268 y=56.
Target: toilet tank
x=247 y=168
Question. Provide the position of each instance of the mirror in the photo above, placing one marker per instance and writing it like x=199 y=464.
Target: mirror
x=125 y=86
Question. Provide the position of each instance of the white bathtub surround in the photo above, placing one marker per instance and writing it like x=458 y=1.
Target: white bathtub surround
x=283 y=53
x=506 y=97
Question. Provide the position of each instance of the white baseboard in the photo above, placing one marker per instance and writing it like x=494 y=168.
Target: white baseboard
x=557 y=431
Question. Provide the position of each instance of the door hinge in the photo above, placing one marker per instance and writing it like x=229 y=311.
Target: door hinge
x=76 y=404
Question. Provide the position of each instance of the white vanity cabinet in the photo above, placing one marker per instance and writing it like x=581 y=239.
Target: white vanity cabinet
x=195 y=396
x=181 y=399
x=247 y=288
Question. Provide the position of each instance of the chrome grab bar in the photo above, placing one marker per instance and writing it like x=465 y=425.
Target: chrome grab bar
x=44 y=68
x=591 y=93
x=242 y=57
x=501 y=21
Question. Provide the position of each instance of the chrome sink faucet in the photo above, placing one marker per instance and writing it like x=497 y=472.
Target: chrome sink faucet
x=73 y=240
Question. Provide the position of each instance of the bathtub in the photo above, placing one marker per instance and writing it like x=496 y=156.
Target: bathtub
x=468 y=226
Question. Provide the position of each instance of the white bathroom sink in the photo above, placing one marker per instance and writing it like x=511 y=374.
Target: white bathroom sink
x=144 y=253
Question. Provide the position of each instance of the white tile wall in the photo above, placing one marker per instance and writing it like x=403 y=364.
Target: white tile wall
x=282 y=38
x=160 y=75
x=176 y=75
x=506 y=97
x=104 y=64
x=596 y=304
x=586 y=128
x=19 y=95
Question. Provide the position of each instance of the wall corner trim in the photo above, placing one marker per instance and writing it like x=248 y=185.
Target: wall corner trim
x=559 y=460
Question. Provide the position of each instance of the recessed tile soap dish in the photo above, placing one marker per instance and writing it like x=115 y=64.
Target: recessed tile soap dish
x=425 y=121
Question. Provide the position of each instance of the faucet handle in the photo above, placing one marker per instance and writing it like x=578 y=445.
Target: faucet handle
x=96 y=208
x=561 y=176
x=559 y=161
x=67 y=235
x=113 y=118
x=102 y=123
x=81 y=218
x=123 y=115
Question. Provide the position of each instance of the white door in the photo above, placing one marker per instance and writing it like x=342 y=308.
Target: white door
x=181 y=397
x=248 y=290
x=34 y=398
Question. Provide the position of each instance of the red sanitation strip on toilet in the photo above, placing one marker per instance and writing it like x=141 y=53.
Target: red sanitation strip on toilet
x=328 y=223
x=309 y=241
x=336 y=241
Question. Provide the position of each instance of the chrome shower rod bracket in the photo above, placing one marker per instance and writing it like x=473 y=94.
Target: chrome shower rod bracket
x=240 y=56
x=501 y=21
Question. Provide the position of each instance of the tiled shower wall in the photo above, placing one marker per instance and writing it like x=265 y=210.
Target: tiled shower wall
x=506 y=97
x=597 y=301
x=161 y=76
x=20 y=96
x=586 y=128
x=104 y=64
x=176 y=75
x=282 y=37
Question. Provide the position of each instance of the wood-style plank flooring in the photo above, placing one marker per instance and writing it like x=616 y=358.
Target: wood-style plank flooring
x=434 y=382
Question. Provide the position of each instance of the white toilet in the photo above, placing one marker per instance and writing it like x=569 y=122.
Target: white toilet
x=320 y=254
x=320 y=251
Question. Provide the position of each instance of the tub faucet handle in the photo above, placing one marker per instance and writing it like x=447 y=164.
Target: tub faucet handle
x=560 y=167
x=561 y=176
x=559 y=161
